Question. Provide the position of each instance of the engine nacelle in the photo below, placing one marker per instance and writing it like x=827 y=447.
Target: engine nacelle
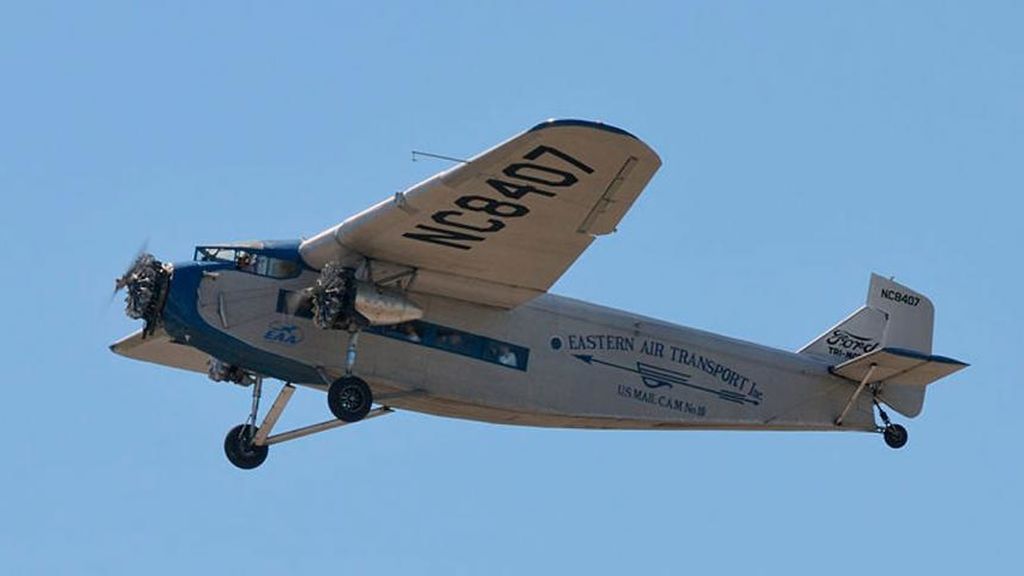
x=383 y=305
x=341 y=302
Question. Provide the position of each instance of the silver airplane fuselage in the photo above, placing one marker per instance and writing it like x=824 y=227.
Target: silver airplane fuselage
x=552 y=361
x=437 y=300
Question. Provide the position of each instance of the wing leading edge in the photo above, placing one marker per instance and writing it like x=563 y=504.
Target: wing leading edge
x=503 y=227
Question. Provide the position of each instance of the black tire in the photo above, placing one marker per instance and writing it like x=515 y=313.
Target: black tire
x=239 y=449
x=349 y=399
x=895 y=436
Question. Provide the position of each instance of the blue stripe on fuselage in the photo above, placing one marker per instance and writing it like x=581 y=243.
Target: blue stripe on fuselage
x=184 y=323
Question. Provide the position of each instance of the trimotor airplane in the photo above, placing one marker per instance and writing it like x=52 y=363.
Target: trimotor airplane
x=442 y=292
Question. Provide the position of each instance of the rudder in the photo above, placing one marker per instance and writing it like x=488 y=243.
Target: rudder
x=911 y=316
x=894 y=317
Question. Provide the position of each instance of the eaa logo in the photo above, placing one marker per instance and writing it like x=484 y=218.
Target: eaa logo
x=283 y=333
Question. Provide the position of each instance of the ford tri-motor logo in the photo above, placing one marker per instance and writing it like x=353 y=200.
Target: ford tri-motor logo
x=848 y=344
x=283 y=333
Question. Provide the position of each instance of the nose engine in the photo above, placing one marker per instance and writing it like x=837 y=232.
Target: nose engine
x=146 y=283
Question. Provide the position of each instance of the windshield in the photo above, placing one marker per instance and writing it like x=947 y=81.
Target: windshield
x=248 y=260
x=214 y=253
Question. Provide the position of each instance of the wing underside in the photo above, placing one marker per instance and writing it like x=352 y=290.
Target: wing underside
x=503 y=227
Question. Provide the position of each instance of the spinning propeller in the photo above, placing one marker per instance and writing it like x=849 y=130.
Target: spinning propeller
x=146 y=282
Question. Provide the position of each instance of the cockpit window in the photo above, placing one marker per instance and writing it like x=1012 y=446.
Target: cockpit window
x=214 y=254
x=251 y=261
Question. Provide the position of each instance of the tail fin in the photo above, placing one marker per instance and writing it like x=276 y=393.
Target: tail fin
x=895 y=317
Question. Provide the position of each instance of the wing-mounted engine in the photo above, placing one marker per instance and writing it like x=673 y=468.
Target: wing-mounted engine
x=342 y=301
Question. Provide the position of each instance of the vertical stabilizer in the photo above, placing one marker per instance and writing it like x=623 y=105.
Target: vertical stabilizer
x=911 y=315
x=895 y=320
x=894 y=317
x=859 y=333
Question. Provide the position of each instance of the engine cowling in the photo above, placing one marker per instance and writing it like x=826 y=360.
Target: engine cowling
x=146 y=281
x=341 y=302
x=381 y=305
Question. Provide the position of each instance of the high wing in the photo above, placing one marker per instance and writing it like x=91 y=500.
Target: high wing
x=501 y=228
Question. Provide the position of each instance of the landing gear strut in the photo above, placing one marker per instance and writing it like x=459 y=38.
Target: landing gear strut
x=894 y=434
x=240 y=450
x=349 y=398
x=248 y=445
x=239 y=445
x=334 y=307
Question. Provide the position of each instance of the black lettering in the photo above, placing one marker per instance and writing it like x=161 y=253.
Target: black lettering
x=895 y=296
x=541 y=150
x=492 y=207
x=516 y=191
x=565 y=178
x=443 y=237
x=442 y=218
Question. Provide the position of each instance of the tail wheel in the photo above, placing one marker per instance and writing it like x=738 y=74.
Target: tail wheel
x=895 y=436
x=349 y=399
x=241 y=451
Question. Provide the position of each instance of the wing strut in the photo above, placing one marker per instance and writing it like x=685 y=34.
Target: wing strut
x=895 y=435
x=853 y=399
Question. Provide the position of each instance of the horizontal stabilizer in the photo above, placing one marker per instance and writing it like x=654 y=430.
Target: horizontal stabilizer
x=903 y=374
x=898 y=366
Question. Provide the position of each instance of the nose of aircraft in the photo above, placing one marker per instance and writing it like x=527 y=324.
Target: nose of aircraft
x=147 y=283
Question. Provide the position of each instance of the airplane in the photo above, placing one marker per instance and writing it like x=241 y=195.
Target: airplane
x=436 y=300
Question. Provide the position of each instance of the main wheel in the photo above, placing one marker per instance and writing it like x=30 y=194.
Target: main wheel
x=349 y=399
x=240 y=450
x=895 y=436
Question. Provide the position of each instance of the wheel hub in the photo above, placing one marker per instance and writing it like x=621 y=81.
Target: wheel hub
x=351 y=398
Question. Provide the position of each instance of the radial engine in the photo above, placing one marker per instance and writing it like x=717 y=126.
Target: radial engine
x=343 y=302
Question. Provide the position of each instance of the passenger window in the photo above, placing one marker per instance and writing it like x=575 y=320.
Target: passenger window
x=456 y=341
x=409 y=332
x=450 y=340
x=272 y=267
x=294 y=304
x=285 y=268
x=504 y=354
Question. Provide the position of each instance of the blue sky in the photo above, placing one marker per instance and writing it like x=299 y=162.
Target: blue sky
x=805 y=145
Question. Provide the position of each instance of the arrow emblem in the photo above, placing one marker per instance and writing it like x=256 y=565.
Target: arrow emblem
x=658 y=377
